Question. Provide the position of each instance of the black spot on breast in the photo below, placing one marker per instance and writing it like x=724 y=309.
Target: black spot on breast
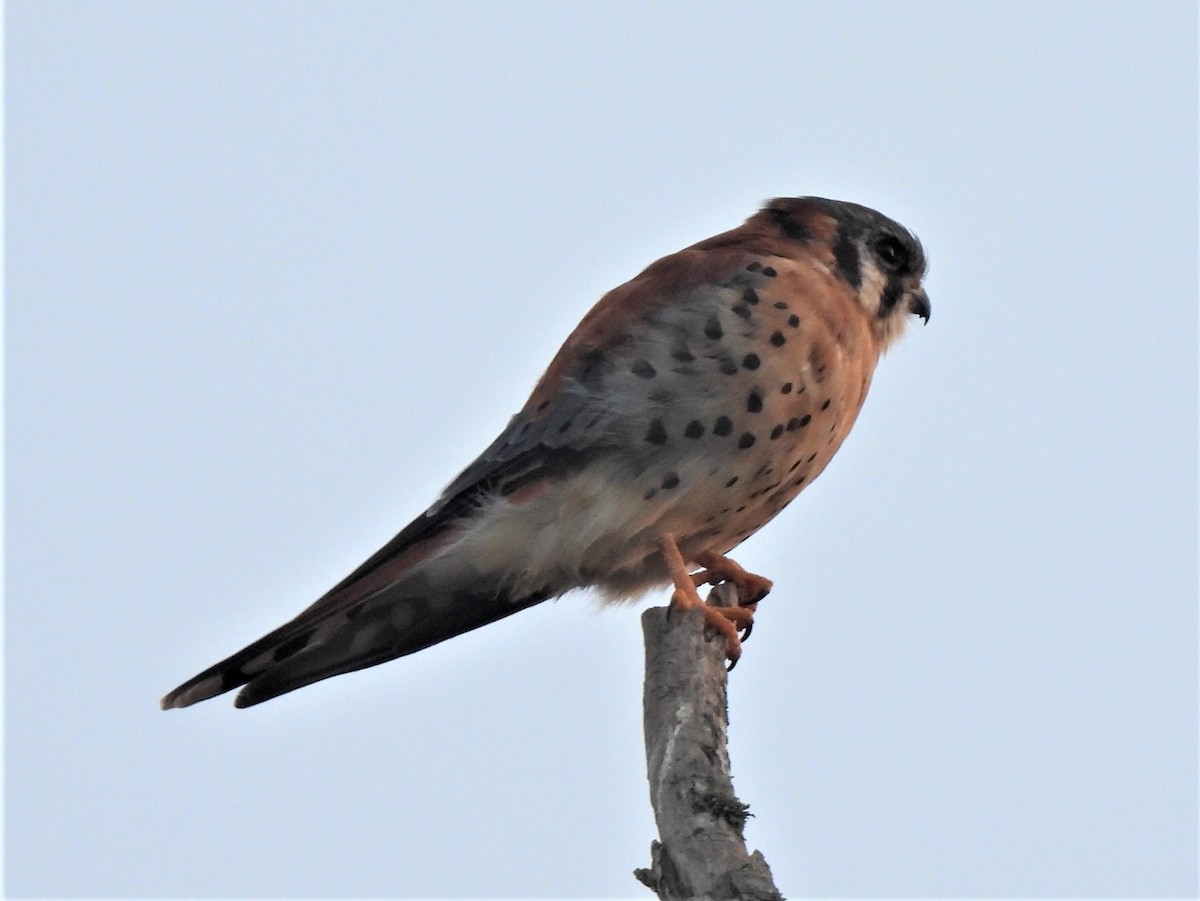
x=845 y=254
x=670 y=480
x=740 y=309
x=825 y=406
x=750 y=296
x=777 y=339
x=756 y=266
x=745 y=441
x=776 y=432
x=798 y=422
x=723 y=426
x=731 y=482
x=754 y=403
x=543 y=405
x=594 y=367
x=794 y=321
x=712 y=328
x=683 y=356
x=694 y=429
x=649 y=494
x=780 y=305
x=769 y=271
x=799 y=481
x=656 y=434
x=751 y=361
x=727 y=364
x=786 y=388
x=644 y=370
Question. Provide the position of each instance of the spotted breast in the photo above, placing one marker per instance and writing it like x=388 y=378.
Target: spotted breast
x=689 y=406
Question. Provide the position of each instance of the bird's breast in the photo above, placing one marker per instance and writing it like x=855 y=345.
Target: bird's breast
x=723 y=406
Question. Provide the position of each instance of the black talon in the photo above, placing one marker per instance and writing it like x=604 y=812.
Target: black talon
x=746 y=632
x=732 y=664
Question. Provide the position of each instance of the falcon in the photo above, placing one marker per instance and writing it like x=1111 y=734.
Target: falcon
x=688 y=407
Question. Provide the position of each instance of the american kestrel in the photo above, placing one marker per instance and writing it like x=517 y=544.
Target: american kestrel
x=689 y=406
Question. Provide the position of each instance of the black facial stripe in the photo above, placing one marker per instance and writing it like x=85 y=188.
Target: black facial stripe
x=891 y=295
x=845 y=254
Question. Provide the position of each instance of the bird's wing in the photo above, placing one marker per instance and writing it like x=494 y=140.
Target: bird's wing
x=380 y=611
x=353 y=626
x=342 y=632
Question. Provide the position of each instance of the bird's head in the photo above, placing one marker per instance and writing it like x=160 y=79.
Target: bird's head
x=880 y=260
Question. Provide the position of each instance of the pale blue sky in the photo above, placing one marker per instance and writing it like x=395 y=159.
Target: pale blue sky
x=277 y=271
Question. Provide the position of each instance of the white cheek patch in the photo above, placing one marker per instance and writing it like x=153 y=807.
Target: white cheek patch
x=870 y=295
x=870 y=290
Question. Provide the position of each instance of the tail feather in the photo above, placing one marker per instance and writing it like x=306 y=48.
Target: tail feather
x=375 y=637
x=394 y=563
x=369 y=633
x=239 y=668
x=410 y=594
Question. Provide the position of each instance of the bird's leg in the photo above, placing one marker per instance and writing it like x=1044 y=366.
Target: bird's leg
x=751 y=588
x=685 y=597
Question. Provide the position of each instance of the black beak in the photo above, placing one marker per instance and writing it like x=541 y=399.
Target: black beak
x=918 y=304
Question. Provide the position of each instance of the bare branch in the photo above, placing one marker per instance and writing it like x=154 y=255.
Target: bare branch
x=702 y=853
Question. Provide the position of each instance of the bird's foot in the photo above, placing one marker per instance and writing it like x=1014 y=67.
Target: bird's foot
x=751 y=588
x=728 y=621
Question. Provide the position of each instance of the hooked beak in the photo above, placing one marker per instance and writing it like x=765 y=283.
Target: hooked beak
x=918 y=304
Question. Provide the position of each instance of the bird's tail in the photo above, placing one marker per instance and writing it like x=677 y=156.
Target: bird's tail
x=338 y=636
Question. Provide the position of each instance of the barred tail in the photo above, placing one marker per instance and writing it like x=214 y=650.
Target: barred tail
x=363 y=635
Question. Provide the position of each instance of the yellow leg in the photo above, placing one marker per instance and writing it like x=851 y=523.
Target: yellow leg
x=686 y=597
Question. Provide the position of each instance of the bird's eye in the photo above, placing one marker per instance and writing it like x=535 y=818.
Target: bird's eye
x=891 y=252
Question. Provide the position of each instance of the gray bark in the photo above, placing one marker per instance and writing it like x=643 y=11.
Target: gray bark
x=701 y=852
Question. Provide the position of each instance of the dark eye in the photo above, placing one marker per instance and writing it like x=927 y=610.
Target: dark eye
x=891 y=252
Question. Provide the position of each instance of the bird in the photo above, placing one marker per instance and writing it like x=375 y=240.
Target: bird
x=689 y=406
